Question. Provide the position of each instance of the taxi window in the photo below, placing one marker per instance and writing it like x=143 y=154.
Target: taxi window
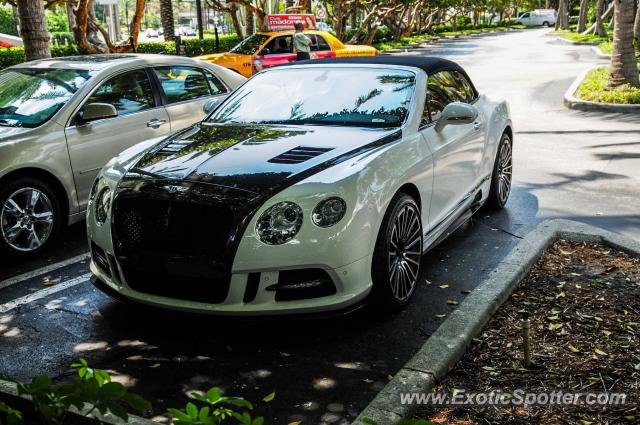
x=250 y=45
x=319 y=44
x=278 y=46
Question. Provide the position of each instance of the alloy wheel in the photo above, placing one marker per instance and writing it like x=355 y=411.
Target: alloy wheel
x=405 y=251
x=26 y=219
x=504 y=171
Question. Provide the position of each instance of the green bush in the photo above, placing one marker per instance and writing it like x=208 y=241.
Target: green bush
x=162 y=47
x=15 y=55
x=7 y=23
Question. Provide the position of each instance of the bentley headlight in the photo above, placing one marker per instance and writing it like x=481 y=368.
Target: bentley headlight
x=102 y=205
x=328 y=212
x=94 y=189
x=280 y=223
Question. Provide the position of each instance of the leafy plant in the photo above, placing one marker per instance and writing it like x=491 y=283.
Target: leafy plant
x=218 y=409
x=9 y=416
x=93 y=386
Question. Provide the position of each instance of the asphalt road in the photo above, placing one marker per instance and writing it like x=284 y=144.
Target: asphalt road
x=569 y=164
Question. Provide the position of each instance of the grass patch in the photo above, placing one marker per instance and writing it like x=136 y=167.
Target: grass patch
x=606 y=47
x=581 y=38
x=594 y=89
x=388 y=45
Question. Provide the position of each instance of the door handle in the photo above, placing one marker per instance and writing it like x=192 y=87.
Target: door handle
x=477 y=125
x=155 y=123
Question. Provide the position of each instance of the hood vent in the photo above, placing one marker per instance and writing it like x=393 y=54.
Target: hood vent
x=299 y=154
x=174 y=147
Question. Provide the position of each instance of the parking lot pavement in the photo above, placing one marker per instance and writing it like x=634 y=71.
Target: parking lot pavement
x=567 y=164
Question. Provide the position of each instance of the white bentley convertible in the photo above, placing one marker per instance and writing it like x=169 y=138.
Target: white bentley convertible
x=313 y=187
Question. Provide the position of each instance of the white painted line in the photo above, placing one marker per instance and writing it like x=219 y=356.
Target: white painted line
x=43 y=270
x=44 y=293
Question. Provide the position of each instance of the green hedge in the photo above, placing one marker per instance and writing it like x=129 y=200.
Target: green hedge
x=15 y=55
x=194 y=47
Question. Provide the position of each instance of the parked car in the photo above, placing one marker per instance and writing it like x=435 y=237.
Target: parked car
x=545 y=17
x=323 y=26
x=185 y=31
x=325 y=194
x=62 y=119
x=151 y=33
x=266 y=49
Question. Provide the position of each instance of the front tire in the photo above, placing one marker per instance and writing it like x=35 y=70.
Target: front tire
x=30 y=217
x=397 y=255
x=502 y=174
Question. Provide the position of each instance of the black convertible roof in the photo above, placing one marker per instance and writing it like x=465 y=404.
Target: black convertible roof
x=428 y=64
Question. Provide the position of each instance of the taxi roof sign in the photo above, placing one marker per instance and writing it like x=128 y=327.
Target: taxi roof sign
x=287 y=21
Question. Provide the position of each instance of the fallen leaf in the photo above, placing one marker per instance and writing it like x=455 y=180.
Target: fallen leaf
x=452 y=302
x=583 y=422
x=444 y=286
x=440 y=316
x=389 y=377
x=554 y=317
x=427 y=282
x=269 y=397
x=295 y=423
x=563 y=252
x=465 y=292
x=630 y=418
x=155 y=365
x=368 y=381
x=561 y=295
x=573 y=349
x=283 y=354
x=599 y=352
x=554 y=326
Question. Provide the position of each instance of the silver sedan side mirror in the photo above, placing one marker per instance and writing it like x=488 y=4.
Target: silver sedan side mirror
x=211 y=105
x=456 y=113
x=96 y=111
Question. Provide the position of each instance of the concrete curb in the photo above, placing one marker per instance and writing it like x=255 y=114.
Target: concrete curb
x=10 y=388
x=572 y=102
x=449 y=342
x=596 y=51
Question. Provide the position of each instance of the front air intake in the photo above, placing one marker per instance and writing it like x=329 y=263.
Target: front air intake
x=299 y=154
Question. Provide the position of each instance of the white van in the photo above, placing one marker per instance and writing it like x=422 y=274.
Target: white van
x=537 y=17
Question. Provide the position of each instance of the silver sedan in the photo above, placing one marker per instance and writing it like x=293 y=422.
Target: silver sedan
x=63 y=119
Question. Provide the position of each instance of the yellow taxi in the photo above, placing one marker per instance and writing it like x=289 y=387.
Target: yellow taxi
x=271 y=48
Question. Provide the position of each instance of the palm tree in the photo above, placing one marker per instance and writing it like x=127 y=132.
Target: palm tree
x=166 y=16
x=33 y=28
x=563 y=16
x=600 y=30
x=582 y=17
x=624 y=69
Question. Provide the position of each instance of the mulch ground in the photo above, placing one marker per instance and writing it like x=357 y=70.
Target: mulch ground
x=584 y=303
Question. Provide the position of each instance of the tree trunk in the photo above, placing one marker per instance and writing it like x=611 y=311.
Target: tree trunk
x=233 y=12
x=582 y=18
x=624 y=69
x=250 y=21
x=636 y=28
x=563 y=20
x=166 y=16
x=16 y=19
x=600 y=30
x=35 y=34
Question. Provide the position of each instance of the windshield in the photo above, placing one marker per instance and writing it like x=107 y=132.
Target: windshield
x=363 y=97
x=250 y=45
x=29 y=97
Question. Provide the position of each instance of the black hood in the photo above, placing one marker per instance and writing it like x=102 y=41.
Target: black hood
x=255 y=158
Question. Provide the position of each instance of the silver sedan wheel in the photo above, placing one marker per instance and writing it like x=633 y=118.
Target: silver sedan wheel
x=26 y=219
x=504 y=171
x=405 y=251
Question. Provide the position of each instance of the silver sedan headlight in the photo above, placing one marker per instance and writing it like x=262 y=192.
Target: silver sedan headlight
x=328 y=212
x=280 y=223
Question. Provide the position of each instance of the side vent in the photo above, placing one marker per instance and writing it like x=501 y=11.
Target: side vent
x=174 y=147
x=299 y=154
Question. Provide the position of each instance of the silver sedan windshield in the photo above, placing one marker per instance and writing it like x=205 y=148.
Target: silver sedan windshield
x=360 y=97
x=29 y=97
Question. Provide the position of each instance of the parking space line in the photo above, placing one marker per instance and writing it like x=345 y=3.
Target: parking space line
x=46 y=269
x=43 y=293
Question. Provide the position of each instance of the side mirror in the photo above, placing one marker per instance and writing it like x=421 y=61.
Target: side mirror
x=456 y=113
x=265 y=51
x=96 y=111
x=211 y=105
